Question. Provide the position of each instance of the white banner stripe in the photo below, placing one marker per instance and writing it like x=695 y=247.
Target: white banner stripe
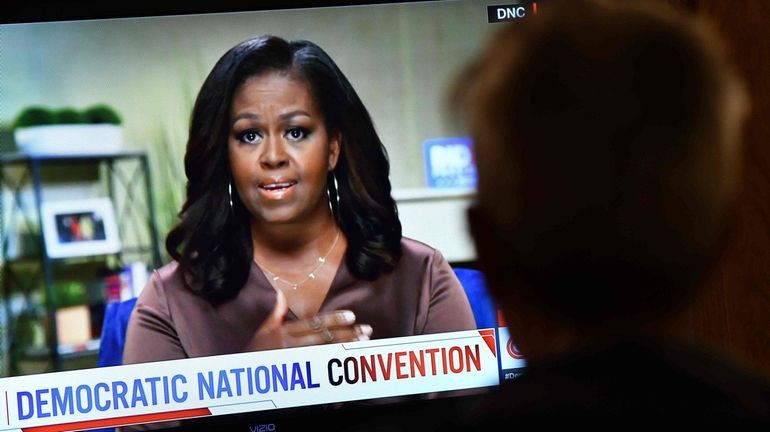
x=276 y=379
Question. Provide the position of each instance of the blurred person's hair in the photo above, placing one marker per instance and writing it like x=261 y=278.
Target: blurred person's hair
x=611 y=124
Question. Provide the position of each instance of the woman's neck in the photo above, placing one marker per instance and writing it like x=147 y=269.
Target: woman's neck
x=292 y=238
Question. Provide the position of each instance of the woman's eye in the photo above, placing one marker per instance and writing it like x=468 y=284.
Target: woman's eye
x=249 y=136
x=296 y=134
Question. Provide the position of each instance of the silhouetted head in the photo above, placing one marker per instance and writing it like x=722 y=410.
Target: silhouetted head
x=607 y=139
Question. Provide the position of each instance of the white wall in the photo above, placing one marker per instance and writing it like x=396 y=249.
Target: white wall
x=438 y=218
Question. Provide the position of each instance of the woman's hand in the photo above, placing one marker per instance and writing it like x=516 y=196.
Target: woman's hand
x=331 y=327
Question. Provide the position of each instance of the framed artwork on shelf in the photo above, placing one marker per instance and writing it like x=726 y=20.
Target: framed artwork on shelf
x=80 y=228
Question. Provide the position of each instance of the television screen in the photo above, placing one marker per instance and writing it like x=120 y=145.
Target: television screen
x=100 y=102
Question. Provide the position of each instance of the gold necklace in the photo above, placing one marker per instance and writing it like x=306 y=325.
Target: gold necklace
x=311 y=275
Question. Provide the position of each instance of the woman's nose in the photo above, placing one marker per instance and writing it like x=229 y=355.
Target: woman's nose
x=273 y=153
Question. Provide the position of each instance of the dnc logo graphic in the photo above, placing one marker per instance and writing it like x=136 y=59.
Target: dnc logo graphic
x=513 y=350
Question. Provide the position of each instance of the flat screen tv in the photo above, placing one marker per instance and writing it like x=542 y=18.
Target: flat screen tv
x=96 y=103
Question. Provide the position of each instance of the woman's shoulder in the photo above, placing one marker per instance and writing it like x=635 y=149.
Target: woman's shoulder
x=412 y=248
x=167 y=277
x=168 y=271
x=165 y=286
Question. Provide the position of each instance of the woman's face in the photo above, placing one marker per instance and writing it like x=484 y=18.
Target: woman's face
x=280 y=151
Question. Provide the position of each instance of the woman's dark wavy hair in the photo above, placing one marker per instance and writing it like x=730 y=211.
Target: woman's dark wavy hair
x=211 y=243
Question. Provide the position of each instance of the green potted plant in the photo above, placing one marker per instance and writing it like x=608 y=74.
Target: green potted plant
x=101 y=114
x=34 y=116
x=95 y=129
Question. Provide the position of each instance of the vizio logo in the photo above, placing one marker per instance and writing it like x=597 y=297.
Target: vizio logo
x=267 y=427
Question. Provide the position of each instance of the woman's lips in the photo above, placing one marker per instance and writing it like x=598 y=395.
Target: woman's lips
x=276 y=190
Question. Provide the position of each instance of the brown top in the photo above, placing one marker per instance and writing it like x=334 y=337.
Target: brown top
x=421 y=295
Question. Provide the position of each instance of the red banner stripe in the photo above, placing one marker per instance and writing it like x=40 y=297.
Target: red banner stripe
x=489 y=337
x=118 y=421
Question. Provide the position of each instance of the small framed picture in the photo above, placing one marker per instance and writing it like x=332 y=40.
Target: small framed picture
x=80 y=228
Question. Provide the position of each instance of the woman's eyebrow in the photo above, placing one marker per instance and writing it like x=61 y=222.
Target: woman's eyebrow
x=246 y=115
x=281 y=117
x=295 y=113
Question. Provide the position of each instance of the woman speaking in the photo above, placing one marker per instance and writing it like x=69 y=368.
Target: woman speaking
x=289 y=235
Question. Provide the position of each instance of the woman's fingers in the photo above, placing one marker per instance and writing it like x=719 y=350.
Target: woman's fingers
x=275 y=320
x=327 y=335
x=270 y=334
x=330 y=320
x=332 y=327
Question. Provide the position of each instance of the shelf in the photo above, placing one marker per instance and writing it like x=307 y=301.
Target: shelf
x=28 y=259
x=35 y=282
x=90 y=347
x=426 y=194
x=35 y=259
x=438 y=217
x=68 y=157
x=21 y=260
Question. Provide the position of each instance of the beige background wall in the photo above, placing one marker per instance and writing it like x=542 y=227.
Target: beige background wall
x=399 y=57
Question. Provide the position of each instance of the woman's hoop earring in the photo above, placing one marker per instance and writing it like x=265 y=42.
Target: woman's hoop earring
x=230 y=194
x=336 y=194
x=336 y=189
